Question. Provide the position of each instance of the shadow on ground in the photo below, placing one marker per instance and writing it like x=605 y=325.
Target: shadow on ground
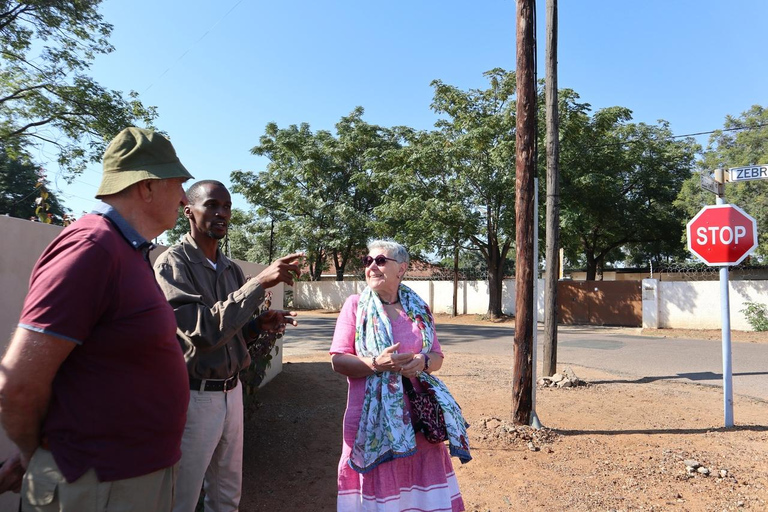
x=293 y=435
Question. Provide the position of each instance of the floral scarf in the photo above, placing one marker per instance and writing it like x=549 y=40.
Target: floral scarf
x=385 y=430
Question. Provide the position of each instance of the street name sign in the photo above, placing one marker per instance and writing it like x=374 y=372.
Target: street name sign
x=750 y=172
x=722 y=235
x=710 y=184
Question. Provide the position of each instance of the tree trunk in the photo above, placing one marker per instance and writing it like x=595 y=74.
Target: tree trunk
x=495 y=278
x=525 y=167
x=271 y=241
x=549 y=363
x=591 y=266
x=316 y=267
x=454 y=311
x=339 y=264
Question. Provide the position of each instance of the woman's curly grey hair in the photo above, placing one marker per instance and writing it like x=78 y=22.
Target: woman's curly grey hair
x=396 y=250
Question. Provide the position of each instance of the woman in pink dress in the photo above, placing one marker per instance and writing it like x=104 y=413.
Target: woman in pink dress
x=384 y=335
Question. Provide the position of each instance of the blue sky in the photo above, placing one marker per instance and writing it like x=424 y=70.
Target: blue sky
x=218 y=72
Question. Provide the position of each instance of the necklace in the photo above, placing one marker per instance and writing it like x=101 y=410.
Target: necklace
x=397 y=299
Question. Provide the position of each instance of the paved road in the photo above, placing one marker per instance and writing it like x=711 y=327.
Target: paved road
x=632 y=358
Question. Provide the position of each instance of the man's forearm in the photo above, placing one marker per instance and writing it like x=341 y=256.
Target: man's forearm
x=26 y=376
x=22 y=421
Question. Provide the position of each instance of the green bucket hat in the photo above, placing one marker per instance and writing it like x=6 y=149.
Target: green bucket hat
x=135 y=155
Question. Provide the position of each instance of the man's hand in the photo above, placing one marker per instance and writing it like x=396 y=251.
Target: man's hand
x=282 y=270
x=275 y=320
x=11 y=474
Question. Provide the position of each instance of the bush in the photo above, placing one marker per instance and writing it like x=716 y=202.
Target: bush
x=757 y=315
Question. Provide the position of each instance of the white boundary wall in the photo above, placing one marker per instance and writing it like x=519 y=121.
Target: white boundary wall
x=472 y=297
x=666 y=304
x=696 y=304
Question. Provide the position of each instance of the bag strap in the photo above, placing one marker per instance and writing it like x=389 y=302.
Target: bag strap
x=408 y=388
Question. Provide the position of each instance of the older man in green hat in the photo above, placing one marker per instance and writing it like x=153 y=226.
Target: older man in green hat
x=93 y=387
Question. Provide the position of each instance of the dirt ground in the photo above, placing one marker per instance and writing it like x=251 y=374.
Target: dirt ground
x=613 y=445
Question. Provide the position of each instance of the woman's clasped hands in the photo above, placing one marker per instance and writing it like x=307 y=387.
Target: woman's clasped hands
x=408 y=364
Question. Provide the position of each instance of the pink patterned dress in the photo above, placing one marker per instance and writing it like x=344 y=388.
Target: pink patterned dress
x=422 y=482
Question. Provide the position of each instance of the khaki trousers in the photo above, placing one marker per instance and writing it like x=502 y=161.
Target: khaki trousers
x=45 y=489
x=212 y=452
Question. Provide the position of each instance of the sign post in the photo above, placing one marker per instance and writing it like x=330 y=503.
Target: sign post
x=723 y=235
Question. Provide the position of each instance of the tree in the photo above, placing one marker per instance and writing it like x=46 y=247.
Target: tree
x=321 y=186
x=23 y=189
x=425 y=205
x=255 y=239
x=620 y=180
x=479 y=129
x=743 y=141
x=45 y=96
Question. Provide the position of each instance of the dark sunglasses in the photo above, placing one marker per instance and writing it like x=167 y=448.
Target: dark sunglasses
x=380 y=260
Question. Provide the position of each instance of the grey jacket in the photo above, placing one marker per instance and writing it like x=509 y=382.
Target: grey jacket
x=212 y=306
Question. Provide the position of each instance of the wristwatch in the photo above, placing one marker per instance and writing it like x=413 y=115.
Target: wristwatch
x=426 y=362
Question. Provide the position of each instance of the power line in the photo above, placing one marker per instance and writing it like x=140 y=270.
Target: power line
x=720 y=130
x=634 y=141
x=192 y=46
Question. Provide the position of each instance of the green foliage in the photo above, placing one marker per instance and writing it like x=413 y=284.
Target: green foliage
x=24 y=193
x=45 y=96
x=743 y=141
x=757 y=315
x=254 y=239
x=260 y=351
x=424 y=206
x=475 y=147
x=619 y=183
x=175 y=234
x=319 y=188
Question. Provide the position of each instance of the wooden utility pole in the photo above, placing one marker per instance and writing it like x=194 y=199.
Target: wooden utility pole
x=549 y=362
x=525 y=168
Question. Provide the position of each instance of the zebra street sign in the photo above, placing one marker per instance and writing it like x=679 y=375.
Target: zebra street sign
x=750 y=172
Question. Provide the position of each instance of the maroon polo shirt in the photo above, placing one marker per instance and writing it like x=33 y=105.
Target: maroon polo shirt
x=119 y=400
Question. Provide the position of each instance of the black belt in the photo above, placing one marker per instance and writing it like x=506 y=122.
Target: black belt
x=213 y=384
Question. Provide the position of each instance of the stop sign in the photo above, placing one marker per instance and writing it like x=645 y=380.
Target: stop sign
x=722 y=234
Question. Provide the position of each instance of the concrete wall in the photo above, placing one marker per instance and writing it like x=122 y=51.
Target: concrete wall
x=666 y=304
x=472 y=296
x=23 y=242
x=696 y=304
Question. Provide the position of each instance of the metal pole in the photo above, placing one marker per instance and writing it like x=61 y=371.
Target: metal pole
x=535 y=423
x=725 y=316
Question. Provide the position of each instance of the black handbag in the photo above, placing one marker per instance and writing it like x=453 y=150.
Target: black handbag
x=427 y=415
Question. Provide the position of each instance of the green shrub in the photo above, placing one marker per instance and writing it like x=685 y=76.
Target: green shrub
x=757 y=315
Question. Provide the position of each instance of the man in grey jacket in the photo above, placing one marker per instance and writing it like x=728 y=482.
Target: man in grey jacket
x=216 y=311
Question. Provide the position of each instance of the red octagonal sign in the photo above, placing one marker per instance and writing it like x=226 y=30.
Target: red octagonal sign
x=722 y=234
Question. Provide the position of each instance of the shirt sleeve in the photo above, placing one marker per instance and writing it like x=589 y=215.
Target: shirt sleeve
x=436 y=344
x=69 y=289
x=207 y=328
x=344 y=334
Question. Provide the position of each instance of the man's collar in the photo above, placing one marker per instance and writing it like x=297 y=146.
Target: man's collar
x=196 y=255
x=132 y=236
